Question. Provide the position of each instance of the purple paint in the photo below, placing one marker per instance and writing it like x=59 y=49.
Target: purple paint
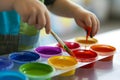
x=48 y=51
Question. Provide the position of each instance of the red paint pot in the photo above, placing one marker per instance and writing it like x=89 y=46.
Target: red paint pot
x=71 y=45
x=104 y=50
x=83 y=55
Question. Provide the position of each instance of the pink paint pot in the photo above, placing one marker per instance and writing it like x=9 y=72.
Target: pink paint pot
x=48 y=51
x=71 y=45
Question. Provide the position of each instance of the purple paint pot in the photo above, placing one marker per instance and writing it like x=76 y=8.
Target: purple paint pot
x=5 y=64
x=48 y=51
x=24 y=57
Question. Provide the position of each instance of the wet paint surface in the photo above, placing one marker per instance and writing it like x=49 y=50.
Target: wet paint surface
x=10 y=78
x=48 y=51
x=84 y=55
x=5 y=64
x=103 y=48
x=36 y=69
x=24 y=56
x=70 y=45
x=82 y=40
x=62 y=62
x=12 y=75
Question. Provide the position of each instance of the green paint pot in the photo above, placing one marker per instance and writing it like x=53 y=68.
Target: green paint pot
x=37 y=71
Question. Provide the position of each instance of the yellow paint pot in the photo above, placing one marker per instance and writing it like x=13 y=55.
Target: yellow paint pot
x=82 y=41
x=63 y=63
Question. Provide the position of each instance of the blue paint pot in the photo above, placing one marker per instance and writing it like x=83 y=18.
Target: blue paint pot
x=5 y=64
x=24 y=57
x=12 y=75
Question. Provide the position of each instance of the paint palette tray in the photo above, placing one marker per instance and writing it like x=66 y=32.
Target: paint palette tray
x=79 y=64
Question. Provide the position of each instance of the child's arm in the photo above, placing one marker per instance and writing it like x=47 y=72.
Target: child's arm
x=33 y=12
x=83 y=17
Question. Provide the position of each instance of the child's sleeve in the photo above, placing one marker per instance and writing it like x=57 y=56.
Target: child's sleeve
x=49 y=2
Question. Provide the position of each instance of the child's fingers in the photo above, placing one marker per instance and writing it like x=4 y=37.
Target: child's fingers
x=47 y=26
x=32 y=19
x=94 y=26
x=24 y=18
x=88 y=22
x=41 y=20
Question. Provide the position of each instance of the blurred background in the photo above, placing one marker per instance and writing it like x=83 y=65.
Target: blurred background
x=107 y=11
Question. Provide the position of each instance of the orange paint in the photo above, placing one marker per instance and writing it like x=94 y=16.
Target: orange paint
x=103 y=48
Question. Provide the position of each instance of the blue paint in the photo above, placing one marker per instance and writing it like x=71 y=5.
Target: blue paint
x=24 y=56
x=5 y=64
x=12 y=75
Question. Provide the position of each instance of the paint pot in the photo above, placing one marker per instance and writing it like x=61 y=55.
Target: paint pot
x=70 y=45
x=83 y=55
x=64 y=63
x=24 y=57
x=5 y=64
x=104 y=50
x=37 y=71
x=48 y=51
x=12 y=75
x=84 y=42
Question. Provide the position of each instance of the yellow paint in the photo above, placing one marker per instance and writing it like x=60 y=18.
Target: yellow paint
x=62 y=62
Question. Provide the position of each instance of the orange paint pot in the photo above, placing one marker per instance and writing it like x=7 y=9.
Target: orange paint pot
x=104 y=50
x=83 y=55
x=63 y=63
x=82 y=41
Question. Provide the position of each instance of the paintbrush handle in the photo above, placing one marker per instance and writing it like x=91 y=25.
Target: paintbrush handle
x=57 y=38
x=61 y=42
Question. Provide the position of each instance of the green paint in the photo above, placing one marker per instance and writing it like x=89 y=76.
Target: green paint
x=66 y=48
x=36 y=69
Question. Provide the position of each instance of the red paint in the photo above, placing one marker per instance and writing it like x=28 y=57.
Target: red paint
x=70 y=45
x=103 y=48
x=88 y=29
x=84 y=55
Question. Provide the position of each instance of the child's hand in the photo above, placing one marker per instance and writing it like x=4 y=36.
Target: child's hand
x=33 y=12
x=85 y=19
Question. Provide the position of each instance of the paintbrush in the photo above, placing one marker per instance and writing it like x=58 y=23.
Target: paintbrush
x=60 y=41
